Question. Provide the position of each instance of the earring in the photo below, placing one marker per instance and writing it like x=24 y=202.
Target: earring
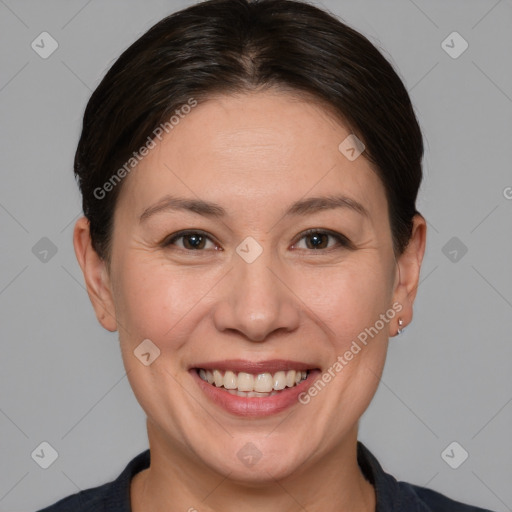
x=400 y=323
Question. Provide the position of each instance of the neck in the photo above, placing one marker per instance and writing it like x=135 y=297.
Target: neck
x=176 y=480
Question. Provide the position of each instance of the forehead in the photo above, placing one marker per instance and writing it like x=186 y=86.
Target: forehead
x=253 y=150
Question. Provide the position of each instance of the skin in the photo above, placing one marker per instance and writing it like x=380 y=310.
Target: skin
x=254 y=155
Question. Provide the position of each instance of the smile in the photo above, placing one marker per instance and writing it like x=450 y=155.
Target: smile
x=253 y=385
x=254 y=389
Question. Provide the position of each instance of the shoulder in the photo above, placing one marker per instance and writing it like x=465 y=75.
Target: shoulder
x=83 y=501
x=428 y=500
x=397 y=496
x=110 y=497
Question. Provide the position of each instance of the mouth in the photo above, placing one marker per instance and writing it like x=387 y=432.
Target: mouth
x=253 y=385
x=247 y=388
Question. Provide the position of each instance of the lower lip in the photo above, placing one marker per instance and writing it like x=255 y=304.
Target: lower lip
x=255 y=406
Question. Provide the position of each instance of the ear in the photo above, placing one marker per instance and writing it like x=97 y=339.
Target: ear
x=96 y=275
x=408 y=272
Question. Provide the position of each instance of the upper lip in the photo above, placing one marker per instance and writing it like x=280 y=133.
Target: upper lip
x=255 y=367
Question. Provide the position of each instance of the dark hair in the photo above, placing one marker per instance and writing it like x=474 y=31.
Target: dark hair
x=235 y=46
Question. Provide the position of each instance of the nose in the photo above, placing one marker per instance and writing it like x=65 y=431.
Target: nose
x=256 y=301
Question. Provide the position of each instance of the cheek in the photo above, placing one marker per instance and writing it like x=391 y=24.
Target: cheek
x=158 y=302
x=348 y=297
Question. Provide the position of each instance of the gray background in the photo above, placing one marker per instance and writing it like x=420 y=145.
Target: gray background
x=447 y=377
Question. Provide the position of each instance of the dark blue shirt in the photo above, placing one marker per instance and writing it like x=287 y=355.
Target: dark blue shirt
x=392 y=496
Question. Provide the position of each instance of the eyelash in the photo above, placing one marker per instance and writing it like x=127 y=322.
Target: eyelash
x=342 y=240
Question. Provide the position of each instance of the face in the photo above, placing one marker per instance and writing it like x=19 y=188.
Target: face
x=263 y=275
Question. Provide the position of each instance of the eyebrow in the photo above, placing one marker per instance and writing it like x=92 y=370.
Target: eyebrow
x=213 y=210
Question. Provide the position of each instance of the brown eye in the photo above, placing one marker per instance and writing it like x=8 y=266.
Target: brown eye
x=319 y=239
x=191 y=240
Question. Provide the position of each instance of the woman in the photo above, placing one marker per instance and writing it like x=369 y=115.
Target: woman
x=249 y=172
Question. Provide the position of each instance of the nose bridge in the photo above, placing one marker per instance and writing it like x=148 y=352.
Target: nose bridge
x=256 y=302
x=256 y=285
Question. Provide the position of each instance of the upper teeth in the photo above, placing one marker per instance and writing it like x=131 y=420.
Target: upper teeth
x=263 y=382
